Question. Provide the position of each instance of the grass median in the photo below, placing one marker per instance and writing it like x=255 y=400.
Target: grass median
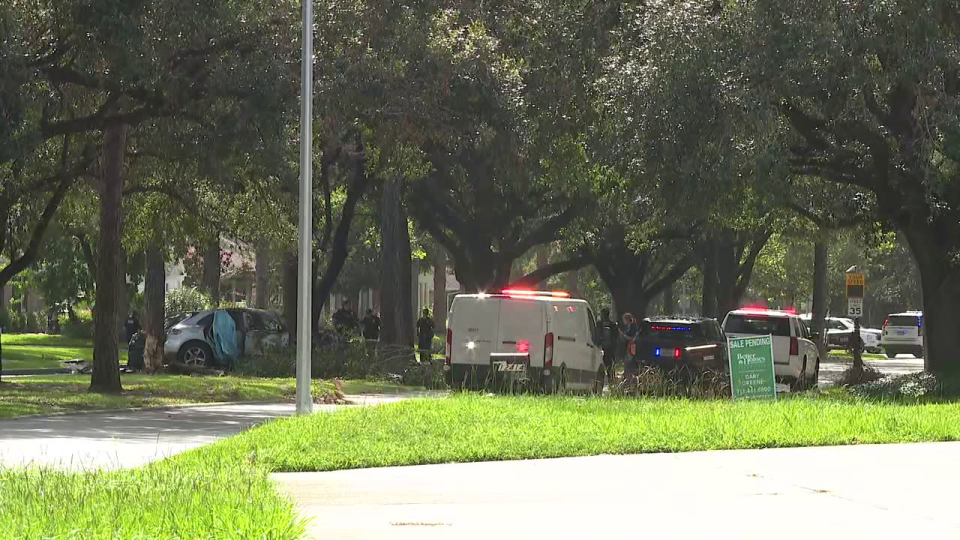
x=68 y=393
x=478 y=428
x=164 y=500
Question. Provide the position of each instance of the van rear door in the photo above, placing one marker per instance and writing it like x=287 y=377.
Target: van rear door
x=522 y=328
x=475 y=323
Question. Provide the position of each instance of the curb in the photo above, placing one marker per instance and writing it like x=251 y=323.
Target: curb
x=174 y=406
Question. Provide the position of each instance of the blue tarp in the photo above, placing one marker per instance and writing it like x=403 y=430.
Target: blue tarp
x=225 y=337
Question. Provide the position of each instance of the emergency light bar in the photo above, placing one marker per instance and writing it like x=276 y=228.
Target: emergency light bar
x=528 y=292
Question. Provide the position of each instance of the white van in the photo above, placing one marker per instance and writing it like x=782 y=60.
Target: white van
x=546 y=340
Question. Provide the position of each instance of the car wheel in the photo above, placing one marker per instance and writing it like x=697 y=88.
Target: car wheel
x=801 y=383
x=196 y=354
x=561 y=385
x=891 y=354
x=918 y=353
x=815 y=380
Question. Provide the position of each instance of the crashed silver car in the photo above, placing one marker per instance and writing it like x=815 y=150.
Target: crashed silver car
x=191 y=340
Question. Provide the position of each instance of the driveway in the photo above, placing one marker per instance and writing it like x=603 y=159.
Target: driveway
x=887 y=491
x=831 y=369
x=132 y=438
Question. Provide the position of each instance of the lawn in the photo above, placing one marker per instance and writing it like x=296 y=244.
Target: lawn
x=162 y=500
x=477 y=428
x=65 y=393
x=32 y=351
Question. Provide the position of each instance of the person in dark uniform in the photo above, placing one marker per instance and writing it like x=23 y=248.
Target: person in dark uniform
x=132 y=326
x=370 y=326
x=425 y=330
x=344 y=319
x=609 y=335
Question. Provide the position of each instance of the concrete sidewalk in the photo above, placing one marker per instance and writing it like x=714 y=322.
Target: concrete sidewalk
x=121 y=439
x=889 y=491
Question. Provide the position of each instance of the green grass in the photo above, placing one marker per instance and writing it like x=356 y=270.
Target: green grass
x=67 y=393
x=171 y=500
x=44 y=340
x=33 y=351
x=476 y=428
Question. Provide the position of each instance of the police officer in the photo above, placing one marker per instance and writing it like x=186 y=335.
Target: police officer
x=425 y=330
x=609 y=333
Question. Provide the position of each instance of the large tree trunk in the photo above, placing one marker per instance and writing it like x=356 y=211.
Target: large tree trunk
x=819 y=314
x=263 y=275
x=573 y=283
x=543 y=259
x=106 y=358
x=290 y=294
x=154 y=293
x=940 y=282
x=708 y=305
x=211 y=270
x=629 y=297
x=440 y=291
x=669 y=303
x=395 y=276
x=123 y=293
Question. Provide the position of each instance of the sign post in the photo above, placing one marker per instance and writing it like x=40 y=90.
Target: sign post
x=855 y=286
x=751 y=367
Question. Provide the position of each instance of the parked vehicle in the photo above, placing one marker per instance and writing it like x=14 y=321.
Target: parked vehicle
x=796 y=359
x=680 y=344
x=840 y=334
x=903 y=334
x=548 y=341
x=190 y=341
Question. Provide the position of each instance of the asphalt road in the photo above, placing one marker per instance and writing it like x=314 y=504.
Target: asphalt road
x=891 y=491
x=120 y=439
x=831 y=370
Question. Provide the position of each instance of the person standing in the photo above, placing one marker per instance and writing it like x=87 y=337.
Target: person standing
x=132 y=326
x=425 y=330
x=628 y=332
x=370 y=326
x=344 y=319
x=609 y=334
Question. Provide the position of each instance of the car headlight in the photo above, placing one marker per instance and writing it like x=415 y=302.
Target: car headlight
x=174 y=332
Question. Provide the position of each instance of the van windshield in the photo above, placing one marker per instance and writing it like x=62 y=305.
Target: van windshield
x=760 y=325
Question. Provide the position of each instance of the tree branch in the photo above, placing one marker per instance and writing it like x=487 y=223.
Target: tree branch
x=545 y=272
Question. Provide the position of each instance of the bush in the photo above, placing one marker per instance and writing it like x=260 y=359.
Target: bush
x=187 y=299
x=18 y=322
x=36 y=322
x=912 y=387
x=652 y=382
x=348 y=360
x=428 y=375
x=851 y=377
x=6 y=322
x=81 y=329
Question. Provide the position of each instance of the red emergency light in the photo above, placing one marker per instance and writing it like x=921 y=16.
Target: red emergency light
x=529 y=292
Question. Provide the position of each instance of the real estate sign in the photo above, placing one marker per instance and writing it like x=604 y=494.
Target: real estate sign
x=751 y=367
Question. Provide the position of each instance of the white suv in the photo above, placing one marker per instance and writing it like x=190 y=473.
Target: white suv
x=903 y=334
x=796 y=359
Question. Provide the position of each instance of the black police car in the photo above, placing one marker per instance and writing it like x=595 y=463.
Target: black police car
x=695 y=345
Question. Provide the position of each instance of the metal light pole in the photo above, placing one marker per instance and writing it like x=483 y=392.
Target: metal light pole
x=304 y=275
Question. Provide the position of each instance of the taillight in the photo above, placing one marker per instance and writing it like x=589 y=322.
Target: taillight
x=676 y=353
x=794 y=346
x=447 y=360
x=547 y=353
x=886 y=322
x=523 y=346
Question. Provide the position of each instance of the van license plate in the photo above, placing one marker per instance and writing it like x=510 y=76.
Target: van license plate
x=509 y=368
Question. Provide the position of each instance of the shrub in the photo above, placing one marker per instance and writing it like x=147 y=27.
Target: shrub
x=652 y=382
x=349 y=360
x=18 y=322
x=82 y=328
x=851 y=376
x=912 y=387
x=187 y=299
x=6 y=322
x=428 y=375
x=36 y=322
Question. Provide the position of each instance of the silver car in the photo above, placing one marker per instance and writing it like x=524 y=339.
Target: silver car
x=190 y=340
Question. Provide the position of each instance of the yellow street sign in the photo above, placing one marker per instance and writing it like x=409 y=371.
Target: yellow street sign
x=854 y=280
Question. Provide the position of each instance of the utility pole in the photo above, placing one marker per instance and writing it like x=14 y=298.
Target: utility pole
x=304 y=275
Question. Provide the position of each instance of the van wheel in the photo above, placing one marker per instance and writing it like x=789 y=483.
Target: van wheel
x=598 y=382
x=561 y=384
x=815 y=380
